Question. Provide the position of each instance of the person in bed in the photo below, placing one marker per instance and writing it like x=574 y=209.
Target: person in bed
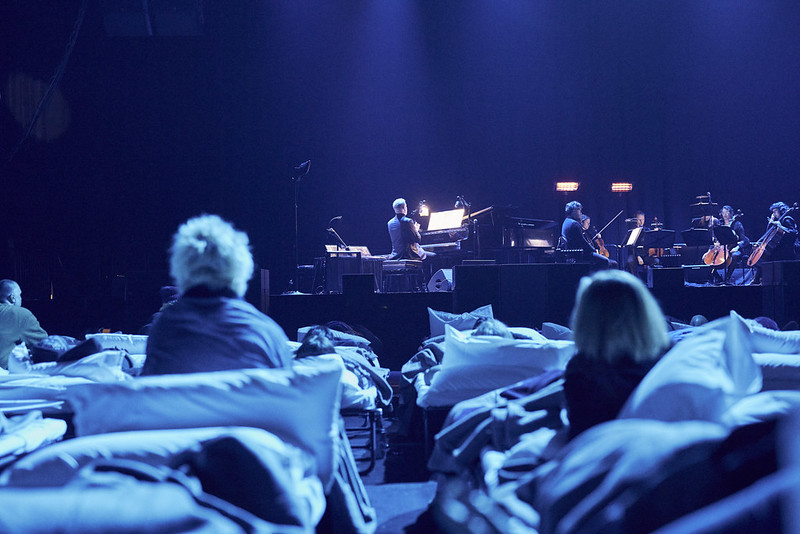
x=620 y=333
x=17 y=324
x=211 y=327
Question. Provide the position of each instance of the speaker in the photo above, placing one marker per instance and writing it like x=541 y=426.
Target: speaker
x=442 y=280
x=697 y=274
x=358 y=284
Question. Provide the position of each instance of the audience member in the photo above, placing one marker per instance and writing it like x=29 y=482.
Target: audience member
x=211 y=327
x=17 y=324
x=169 y=296
x=698 y=320
x=493 y=327
x=620 y=333
x=766 y=322
x=318 y=340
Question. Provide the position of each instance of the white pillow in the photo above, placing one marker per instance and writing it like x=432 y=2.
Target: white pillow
x=464 y=321
x=699 y=378
x=300 y=406
x=474 y=365
x=768 y=340
x=556 y=331
x=779 y=371
x=134 y=344
x=57 y=465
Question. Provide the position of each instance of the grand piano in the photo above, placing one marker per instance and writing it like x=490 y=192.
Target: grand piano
x=494 y=233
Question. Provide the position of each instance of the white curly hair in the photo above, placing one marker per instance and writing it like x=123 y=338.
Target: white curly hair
x=209 y=251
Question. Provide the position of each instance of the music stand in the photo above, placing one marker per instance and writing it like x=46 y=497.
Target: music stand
x=697 y=237
x=659 y=239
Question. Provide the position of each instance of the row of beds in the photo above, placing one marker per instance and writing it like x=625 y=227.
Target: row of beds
x=706 y=443
x=90 y=446
x=87 y=446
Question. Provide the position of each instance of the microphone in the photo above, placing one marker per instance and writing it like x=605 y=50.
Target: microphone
x=301 y=169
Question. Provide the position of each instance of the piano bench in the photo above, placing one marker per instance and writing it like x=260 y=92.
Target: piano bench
x=403 y=276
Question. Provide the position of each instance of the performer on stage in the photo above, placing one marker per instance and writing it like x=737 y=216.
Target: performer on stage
x=742 y=247
x=785 y=242
x=574 y=239
x=639 y=256
x=404 y=233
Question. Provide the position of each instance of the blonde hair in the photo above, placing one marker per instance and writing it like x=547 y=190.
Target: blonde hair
x=615 y=317
x=209 y=251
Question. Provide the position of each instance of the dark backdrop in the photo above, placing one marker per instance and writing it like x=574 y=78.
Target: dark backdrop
x=494 y=100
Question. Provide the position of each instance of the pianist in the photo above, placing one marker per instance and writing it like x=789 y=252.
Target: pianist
x=404 y=233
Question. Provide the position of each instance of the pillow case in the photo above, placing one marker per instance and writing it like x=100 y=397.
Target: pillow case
x=134 y=344
x=474 y=365
x=300 y=406
x=700 y=377
x=779 y=371
x=463 y=321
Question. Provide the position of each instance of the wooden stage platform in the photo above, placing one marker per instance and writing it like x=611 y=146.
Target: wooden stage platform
x=525 y=295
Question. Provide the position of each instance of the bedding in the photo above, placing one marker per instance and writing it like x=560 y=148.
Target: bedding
x=700 y=377
x=464 y=321
x=300 y=406
x=249 y=467
x=474 y=365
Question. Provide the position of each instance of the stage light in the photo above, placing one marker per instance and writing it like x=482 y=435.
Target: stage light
x=567 y=187
x=423 y=209
x=621 y=187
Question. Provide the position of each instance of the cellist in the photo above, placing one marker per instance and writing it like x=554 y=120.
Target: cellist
x=784 y=243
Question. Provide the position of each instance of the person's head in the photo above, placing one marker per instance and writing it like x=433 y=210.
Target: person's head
x=586 y=221
x=726 y=213
x=493 y=327
x=639 y=216
x=400 y=206
x=767 y=322
x=778 y=209
x=615 y=317
x=10 y=292
x=573 y=210
x=698 y=320
x=208 y=251
x=318 y=340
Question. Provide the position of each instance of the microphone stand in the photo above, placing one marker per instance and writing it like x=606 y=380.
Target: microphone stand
x=341 y=243
x=297 y=174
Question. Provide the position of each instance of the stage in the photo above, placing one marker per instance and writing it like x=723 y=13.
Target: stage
x=526 y=295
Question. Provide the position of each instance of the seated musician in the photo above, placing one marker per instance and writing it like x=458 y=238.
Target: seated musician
x=404 y=233
x=573 y=238
x=742 y=247
x=783 y=246
x=640 y=256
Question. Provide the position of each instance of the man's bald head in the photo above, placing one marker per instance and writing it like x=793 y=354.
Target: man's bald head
x=10 y=292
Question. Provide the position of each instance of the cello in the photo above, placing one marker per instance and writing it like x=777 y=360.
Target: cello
x=763 y=244
x=717 y=256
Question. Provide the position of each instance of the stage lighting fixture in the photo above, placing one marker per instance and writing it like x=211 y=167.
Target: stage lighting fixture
x=621 y=187
x=567 y=187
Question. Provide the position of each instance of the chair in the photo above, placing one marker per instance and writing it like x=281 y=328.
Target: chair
x=568 y=255
x=403 y=276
